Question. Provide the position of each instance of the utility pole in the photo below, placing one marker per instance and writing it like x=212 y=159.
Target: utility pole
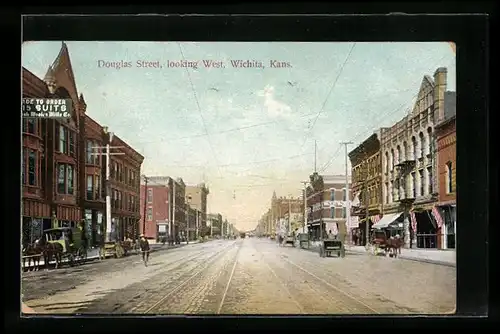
x=315 y=150
x=305 y=207
x=348 y=198
x=108 y=153
x=145 y=204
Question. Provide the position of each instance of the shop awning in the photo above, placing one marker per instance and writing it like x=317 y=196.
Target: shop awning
x=387 y=220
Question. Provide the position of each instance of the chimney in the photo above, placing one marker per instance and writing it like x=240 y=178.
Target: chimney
x=440 y=78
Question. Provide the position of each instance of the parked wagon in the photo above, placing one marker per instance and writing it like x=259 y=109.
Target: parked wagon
x=329 y=247
x=73 y=246
x=304 y=240
x=112 y=248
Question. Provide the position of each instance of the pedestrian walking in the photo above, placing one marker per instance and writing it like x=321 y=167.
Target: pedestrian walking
x=144 y=244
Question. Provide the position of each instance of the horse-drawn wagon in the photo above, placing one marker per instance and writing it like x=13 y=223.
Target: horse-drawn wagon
x=337 y=245
x=114 y=249
x=386 y=245
x=72 y=246
x=304 y=240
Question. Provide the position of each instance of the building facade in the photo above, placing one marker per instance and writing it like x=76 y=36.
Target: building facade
x=50 y=156
x=409 y=164
x=447 y=154
x=198 y=195
x=282 y=206
x=165 y=207
x=327 y=203
x=366 y=162
x=215 y=222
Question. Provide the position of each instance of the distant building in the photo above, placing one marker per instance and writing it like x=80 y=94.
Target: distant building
x=327 y=202
x=198 y=200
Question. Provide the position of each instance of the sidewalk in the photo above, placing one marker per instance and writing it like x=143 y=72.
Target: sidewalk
x=93 y=253
x=435 y=256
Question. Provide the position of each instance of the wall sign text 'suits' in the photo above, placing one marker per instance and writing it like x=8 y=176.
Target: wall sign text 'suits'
x=46 y=108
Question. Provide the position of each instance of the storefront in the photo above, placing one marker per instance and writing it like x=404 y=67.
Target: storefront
x=35 y=219
x=426 y=228
x=94 y=227
x=447 y=231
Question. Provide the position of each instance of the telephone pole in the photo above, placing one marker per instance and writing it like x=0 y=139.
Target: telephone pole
x=145 y=204
x=108 y=154
x=347 y=197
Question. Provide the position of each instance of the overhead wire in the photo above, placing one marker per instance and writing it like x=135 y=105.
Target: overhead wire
x=329 y=93
x=363 y=132
x=200 y=112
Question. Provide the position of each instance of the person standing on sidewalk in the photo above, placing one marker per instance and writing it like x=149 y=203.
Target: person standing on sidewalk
x=144 y=244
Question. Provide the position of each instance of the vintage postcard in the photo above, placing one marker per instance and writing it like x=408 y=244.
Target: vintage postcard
x=238 y=178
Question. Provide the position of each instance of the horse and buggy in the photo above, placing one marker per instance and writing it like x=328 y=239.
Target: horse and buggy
x=334 y=245
x=56 y=244
x=387 y=245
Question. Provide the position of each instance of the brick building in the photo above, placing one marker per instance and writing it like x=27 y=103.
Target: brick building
x=160 y=206
x=55 y=166
x=215 y=222
x=50 y=158
x=326 y=204
x=409 y=164
x=198 y=195
x=447 y=152
x=366 y=163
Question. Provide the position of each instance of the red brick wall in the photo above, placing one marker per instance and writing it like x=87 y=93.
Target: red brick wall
x=447 y=152
x=160 y=206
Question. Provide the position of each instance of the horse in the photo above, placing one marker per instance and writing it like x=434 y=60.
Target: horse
x=394 y=245
x=49 y=251
x=29 y=252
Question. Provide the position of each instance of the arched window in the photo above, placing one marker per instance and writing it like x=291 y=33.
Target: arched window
x=405 y=151
x=414 y=147
x=398 y=155
x=429 y=140
x=422 y=144
x=449 y=177
x=392 y=159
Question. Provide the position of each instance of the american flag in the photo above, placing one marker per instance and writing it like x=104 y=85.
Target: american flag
x=375 y=219
x=437 y=216
x=413 y=221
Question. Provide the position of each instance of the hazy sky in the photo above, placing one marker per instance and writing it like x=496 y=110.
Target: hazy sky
x=246 y=131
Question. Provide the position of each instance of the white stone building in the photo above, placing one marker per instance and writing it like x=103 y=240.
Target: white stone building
x=408 y=148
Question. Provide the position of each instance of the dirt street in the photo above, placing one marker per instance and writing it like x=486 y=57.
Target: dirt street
x=244 y=276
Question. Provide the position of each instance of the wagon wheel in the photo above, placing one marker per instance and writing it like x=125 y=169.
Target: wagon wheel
x=82 y=253
x=71 y=259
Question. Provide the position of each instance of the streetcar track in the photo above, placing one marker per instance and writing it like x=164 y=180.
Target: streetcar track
x=348 y=295
x=263 y=260
x=229 y=280
x=208 y=262
x=177 y=264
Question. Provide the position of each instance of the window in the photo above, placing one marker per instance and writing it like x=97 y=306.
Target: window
x=344 y=194
x=429 y=180
x=414 y=184
x=97 y=187
x=89 y=152
x=386 y=163
x=429 y=139
x=405 y=151
x=332 y=195
x=421 y=177
x=386 y=192
x=71 y=143
x=30 y=125
x=422 y=145
x=396 y=190
x=150 y=195
x=90 y=189
x=63 y=139
x=120 y=203
x=392 y=159
x=150 y=214
x=449 y=177
x=332 y=212
x=402 y=190
x=344 y=213
x=414 y=147
x=32 y=168
x=65 y=179
x=398 y=157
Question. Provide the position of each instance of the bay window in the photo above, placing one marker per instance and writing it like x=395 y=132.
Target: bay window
x=66 y=141
x=65 y=179
x=30 y=167
x=90 y=190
